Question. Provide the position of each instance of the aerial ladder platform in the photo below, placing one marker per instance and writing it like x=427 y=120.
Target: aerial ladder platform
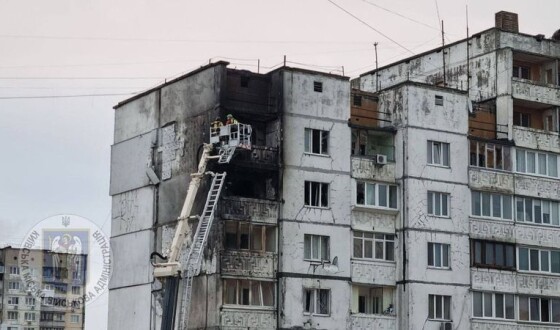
x=226 y=139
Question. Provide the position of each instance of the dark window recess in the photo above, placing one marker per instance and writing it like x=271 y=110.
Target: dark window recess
x=521 y=72
x=357 y=100
x=521 y=119
x=439 y=100
x=493 y=254
x=244 y=81
x=318 y=86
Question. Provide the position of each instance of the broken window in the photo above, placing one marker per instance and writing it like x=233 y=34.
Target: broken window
x=438 y=255
x=438 y=204
x=240 y=235
x=539 y=309
x=539 y=260
x=316 y=301
x=490 y=155
x=521 y=119
x=536 y=163
x=316 y=248
x=374 y=246
x=489 y=205
x=357 y=100
x=374 y=300
x=371 y=143
x=318 y=86
x=439 y=307
x=316 y=141
x=248 y=292
x=376 y=195
x=438 y=153
x=316 y=194
x=493 y=254
x=522 y=72
x=537 y=211
x=493 y=305
x=439 y=100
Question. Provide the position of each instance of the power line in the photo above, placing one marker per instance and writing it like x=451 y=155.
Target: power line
x=401 y=15
x=61 y=96
x=371 y=27
x=80 y=78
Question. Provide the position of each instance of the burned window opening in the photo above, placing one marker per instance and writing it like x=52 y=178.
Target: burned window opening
x=316 y=194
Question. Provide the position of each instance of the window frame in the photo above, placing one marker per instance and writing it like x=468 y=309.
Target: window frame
x=321 y=239
x=309 y=138
x=444 y=154
x=317 y=86
x=501 y=154
x=491 y=198
x=387 y=244
x=441 y=247
x=539 y=258
x=308 y=198
x=438 y=100
x=238 y=294
x=524 y=161
x=494 y=304
x=315 y=301
x=432 y=307
x=534 y=204
x=264 y=232
x=551 y=301
x=391 y=190
x=485 y=244
x=432 y=203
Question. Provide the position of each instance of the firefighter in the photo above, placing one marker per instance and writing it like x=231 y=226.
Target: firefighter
x=230 y=120
x=215 y=125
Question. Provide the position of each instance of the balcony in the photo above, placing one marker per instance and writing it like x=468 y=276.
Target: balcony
x=248 y=264
x=532 y=138
x=490 y=180
x=245 y=319
x=258 y=156
x=249 y=209
x=489 y=324
x=513 y=282
x=366 y=168
x=373 y=272
x=529 y=90
x=364 y=321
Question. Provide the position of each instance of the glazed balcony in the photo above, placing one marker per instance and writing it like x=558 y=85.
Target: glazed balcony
x=373 y=272
x=247 y=319
x=249 y=209
x=248 y=263
x=365 y=321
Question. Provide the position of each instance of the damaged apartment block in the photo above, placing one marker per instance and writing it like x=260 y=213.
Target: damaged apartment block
x=420 y=195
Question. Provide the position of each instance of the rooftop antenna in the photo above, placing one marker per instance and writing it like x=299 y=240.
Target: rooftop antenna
x=376 y=68
x=443 y=51
x=468 y=53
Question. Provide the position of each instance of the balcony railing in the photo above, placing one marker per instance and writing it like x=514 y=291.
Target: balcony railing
x=529 y=90
x=234 y=318
x=533 y=138
x=373 y=272
x=365 y=321
x=367 y=168
x=247 y=263
x=256 y=210
x=258 y=155
x=513 y=282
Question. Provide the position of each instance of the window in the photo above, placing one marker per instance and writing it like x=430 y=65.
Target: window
x=438 y=204
x=521 y=119
x=376 y=300
x=439 y=100
x=316 y=247
x=13 y=301
x=521 y=71
x=244 y=81
x=29 y=301
x=491 y=205
x=241 y=235
x=13 y=316
x=438 y=153
x=316 y=301
x=537 y=211
x=438 y=255
x=371 y=142
x=374 y=246
x=48 y=287
x=439 y=307
x=490 y=155
x=537 y=309
x=29 y=316
x=316 y=194
x=14 y=270
x=47 y=316
x=318 y=86
x=376 y=195
x=248 y=293
x=539 y=260
x=494 y=305
x=76 y=290
x=316 y=141
x=13 y=285
x=536 y=163
x=357 y=100
x=493 y=254
x=75 y=318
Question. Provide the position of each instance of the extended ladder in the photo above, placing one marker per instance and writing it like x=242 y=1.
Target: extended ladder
x=194 y=256
x=226 y=153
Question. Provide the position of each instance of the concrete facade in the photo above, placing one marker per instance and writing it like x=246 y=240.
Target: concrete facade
x=401 y=203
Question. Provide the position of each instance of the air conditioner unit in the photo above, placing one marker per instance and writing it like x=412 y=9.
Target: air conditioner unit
x=446 y=326
x=380 y=159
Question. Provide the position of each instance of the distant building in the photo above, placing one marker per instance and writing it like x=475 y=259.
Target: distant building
x=422 y=195
x=61 y=277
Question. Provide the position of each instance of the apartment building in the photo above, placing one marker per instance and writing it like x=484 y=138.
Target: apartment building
x=421 y=195
x=61 y=306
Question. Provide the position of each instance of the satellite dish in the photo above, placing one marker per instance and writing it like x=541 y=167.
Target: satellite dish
x=331 y=267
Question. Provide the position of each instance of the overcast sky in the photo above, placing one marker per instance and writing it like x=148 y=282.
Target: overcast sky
x=56 y=151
